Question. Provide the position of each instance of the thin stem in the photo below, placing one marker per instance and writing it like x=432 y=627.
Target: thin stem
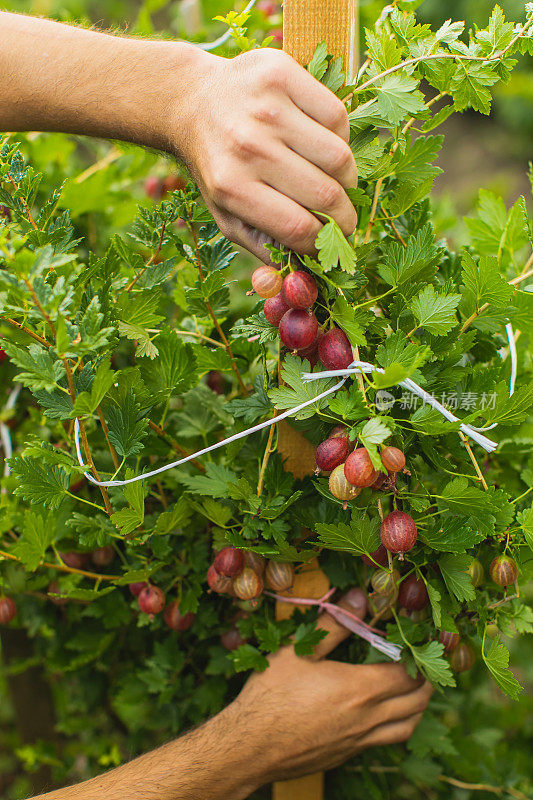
x=213 y=316
x=150 y=261
x=105 y=429
x=172 y=442
x=63 y=568
x=24 y=203
x=196 y=335
x=39 y=306
x=84 y=500
x=104 y=162
x=373 y=210
x=526 y=273
x=474 y=460
x=22 y=327
x=264 y=464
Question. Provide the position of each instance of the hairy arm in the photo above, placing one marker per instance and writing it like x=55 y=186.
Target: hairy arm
x=265 y=141
x=299 y=716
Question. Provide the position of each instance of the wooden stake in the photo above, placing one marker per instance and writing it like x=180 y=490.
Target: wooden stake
x=306 y=23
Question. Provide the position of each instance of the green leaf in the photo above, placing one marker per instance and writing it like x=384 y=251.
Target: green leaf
x=454 y=569
x=469 y=87
x=334 y=250
x=525 y=520
x=173 y=370
x=401 y=263
x=429 y=660
x=298 y=391
x=37 y=535
x=248 y=657
x=252 y=408
x=87 y=402
x=176 y=517
x=346 y=318
x=431 y=736
x=434 y=599
x=306 y=638
x=39 y=369
x=214 y=483
x=415 y=166
x=360 y=536
x=507 y=410
x=319 y=63
x=484 y=284
x=126 y=428
x=130 y=518
x=434 y=311
x=497 y=661
x=398 y=96
x=452 y=536
x=397 y=349
x=39 y=483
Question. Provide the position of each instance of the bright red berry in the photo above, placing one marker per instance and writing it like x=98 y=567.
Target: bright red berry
x=151 y=600
x=277 y=35
x=229 y=561
x=359 y=469
x=332 y=452
x=298 y=329
x=299 y=290
x=334 y=350
x=171 y=184
x=152 y=187
x=8 y=610
x=268 y=7
x=274 y=309
x=136 y=588
x=398 y=532
x=255 y=561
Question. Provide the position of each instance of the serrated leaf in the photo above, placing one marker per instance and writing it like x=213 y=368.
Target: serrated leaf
x=38 y=483
x=360 y=536
x=334 y=250
x=435 y=311
x=497 y=661
x=452 y=536
x=37 y=534
x=298 y=391
x=454 y=569
x=40 y=370
x=429 y=660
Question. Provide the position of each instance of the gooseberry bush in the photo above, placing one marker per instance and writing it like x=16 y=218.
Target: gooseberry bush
x=151 y=601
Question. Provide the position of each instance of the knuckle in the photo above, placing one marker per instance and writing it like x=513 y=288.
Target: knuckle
x=273 y=66
x=220 y=186
x=243 y=142
x=341 y=157
x=338 y=114
x=329 y=194
x=268 y=113
x=298 y=231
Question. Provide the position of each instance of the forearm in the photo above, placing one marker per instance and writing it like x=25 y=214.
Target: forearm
x=211 y=763
x=60 y=78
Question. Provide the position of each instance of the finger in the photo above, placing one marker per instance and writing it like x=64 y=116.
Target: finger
x=261 y=207
x=391 y=733
x=309 y=186
x=318 y=102
x=404 y=705
x=320 y=146
x=336 y=633
x=245 y=236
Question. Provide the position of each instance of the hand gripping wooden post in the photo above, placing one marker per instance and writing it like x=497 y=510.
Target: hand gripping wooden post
x=306 y=23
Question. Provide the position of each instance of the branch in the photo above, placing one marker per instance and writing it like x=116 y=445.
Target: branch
x=64 y=568
x=174 y=444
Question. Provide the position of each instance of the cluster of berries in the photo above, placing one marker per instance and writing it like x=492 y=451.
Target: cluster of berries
x=243 y=574
x=288 y=304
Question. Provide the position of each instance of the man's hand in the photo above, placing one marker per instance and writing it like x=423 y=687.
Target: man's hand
x=301 y=715
x=306 y=715
x=267 y=144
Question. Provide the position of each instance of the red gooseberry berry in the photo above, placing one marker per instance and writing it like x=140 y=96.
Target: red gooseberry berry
x=175 y=619
x=332 y=452
x=103 y=556
x=274 y=309
x=379 y=556
x=8 y=610
x=398 y=532
x=298 y=329
x=413 y=594
x=299 y=290
x=392 y=459
x=151 y=599
x=267 y=281
x=232 y=639
x=255 y=561
x=229 y=561
x=218 y=583
x=359 y=469
x=334 y=350
x=136 y=588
